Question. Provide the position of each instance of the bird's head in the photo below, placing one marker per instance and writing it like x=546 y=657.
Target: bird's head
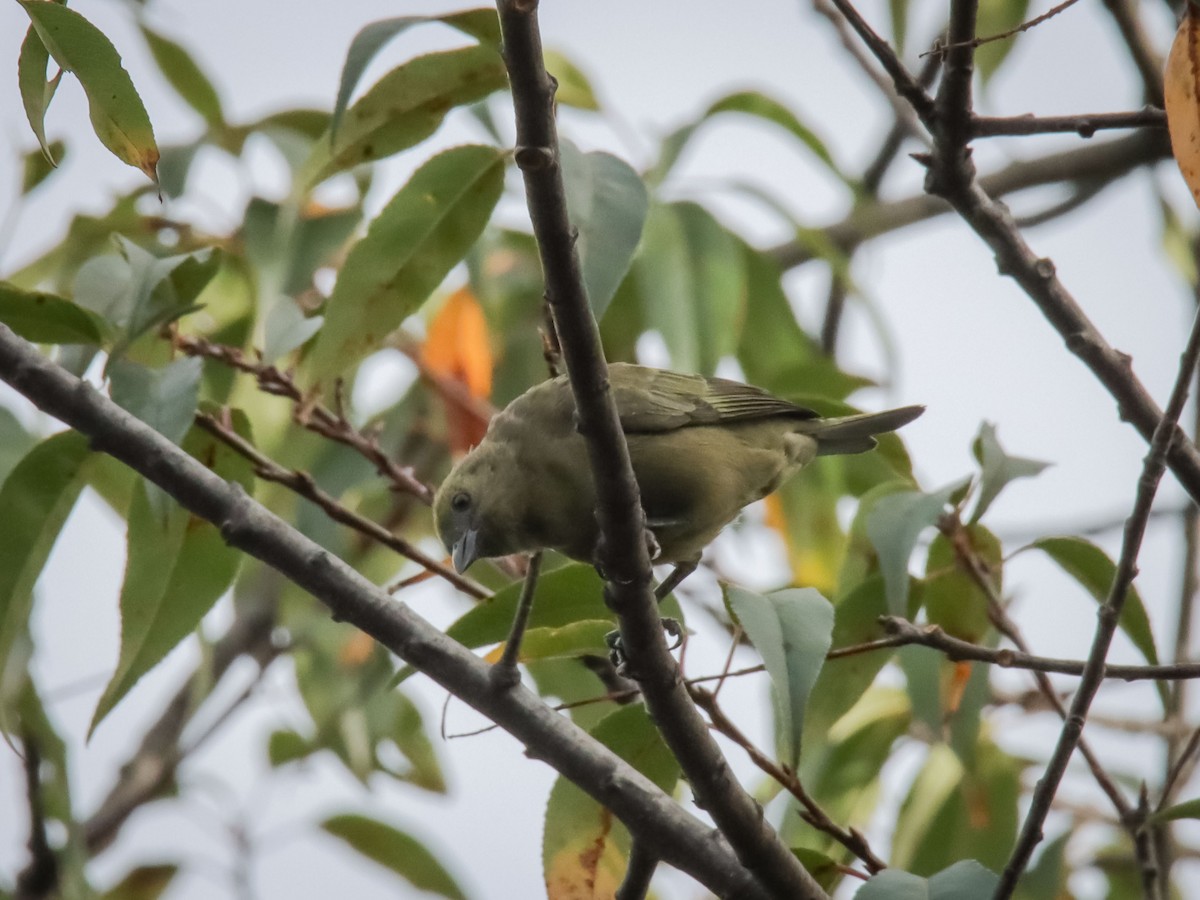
x=470 y=510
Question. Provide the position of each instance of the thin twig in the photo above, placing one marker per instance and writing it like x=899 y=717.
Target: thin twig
x=957 y=650
x=1083 y=124
x=303 y=484
x=977 y=42
x=313 y=416
x=813 y=814
x=1089 y=684
x=981 y=574
x=1099 y=161
x=40 y=876
x=638 y=874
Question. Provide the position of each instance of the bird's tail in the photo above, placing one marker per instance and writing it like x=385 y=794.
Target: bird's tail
x=855 y=434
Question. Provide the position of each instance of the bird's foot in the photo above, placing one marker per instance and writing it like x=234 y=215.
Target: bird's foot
x=616 y=647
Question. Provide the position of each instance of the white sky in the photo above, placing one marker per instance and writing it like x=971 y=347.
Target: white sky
x=970 y=345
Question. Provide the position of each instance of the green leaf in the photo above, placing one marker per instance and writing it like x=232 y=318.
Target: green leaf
x=15 y=442
x=36 y=91
x=812 y=533
x=843 y=681
x=842 y=767
x=396 y=850
x=118 y=116
x=936 y=784
x=607 y=203
x=571 y=640
x=997 y=468
x=1046 y=879
x=751 y=103
x=1092 y=568
x=406 y=106
x=46 y=318
x=996 y=17
x=894 y=525
x=965 y=880
x=953 y=812
x=36 y=168
x=165 y=399
x=287 y=328
x=481 y=24
x=827 y=872
x=898 y=10
x=35 y=500
x=174 y=573
x=1188 y=809
x=691 y=277
x=286 y=746
x=573 y=89
x=582 y=845
x=792 y=630
x=186 y=77
x=953 y=599
x=422 y=233
x=573 y=593
x=142 y=883
x=287 y=245
x=773 y=350
x=137 y=291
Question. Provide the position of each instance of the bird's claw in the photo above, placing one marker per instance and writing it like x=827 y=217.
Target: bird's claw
x=616 y=647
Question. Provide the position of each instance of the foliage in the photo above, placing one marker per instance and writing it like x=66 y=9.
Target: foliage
x=236 y=347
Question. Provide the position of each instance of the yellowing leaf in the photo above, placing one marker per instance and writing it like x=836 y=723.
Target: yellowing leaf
x=1182 y=98
x=586 y=869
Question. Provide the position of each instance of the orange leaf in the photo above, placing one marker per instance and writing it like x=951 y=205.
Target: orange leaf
x=1181 y=93
x=774 y=517
x=356 y=650
x=958 y=685
x=458 y=345
x=458 y=349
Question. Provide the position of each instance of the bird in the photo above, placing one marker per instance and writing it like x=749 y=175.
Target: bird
x=702 y=449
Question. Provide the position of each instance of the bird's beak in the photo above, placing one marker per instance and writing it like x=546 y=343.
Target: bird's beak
x=464 y=552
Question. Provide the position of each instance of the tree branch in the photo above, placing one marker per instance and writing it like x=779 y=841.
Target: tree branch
x=624 y=556
x=953 y=180
x=1102 y=161
x=303 y=484
x=650 y=815
x=1084 y=124
x=903 y=632
x=1135 y=528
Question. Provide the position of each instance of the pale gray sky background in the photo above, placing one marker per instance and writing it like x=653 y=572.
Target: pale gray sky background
x=970 y=346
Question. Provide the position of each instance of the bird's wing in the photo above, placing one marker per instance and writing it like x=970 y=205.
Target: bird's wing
x=650 y=400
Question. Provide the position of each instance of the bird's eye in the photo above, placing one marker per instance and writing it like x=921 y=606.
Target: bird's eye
x=460 y=502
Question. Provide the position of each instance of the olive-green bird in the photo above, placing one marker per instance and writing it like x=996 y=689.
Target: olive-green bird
x=701 y=448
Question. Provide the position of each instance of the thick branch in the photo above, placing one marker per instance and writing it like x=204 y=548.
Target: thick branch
x=624 y=555
x=650 y=815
